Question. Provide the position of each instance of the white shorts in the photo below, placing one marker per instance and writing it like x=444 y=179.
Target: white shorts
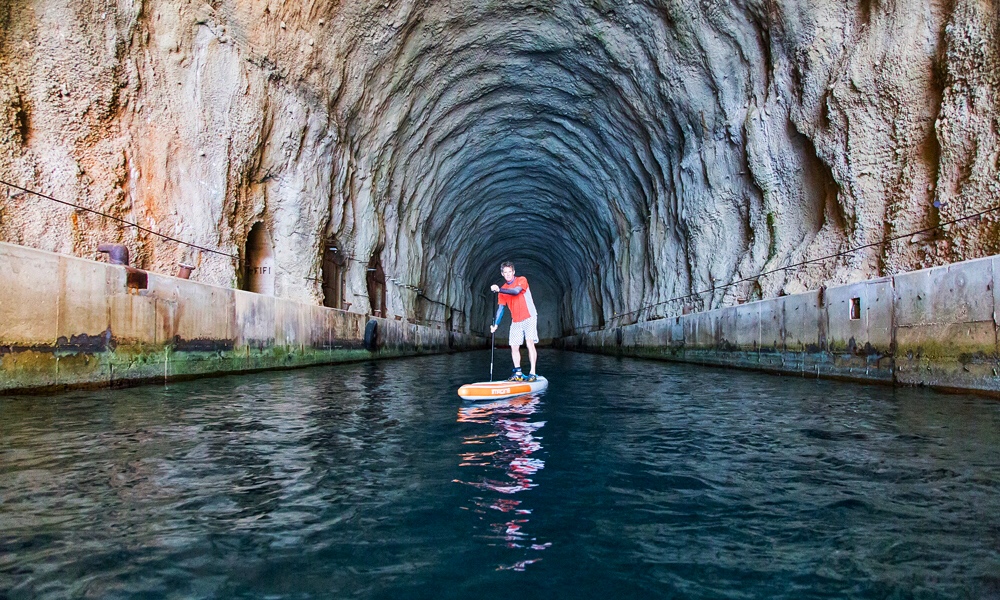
x=527 y=328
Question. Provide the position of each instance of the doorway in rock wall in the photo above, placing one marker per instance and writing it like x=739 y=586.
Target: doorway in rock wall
x=334 y=276
x=376 y=287
x=259 y=260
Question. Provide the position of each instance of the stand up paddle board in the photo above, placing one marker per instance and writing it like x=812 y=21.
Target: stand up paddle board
x=487 y=390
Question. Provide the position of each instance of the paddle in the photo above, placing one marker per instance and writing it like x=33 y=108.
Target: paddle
x=493 y=336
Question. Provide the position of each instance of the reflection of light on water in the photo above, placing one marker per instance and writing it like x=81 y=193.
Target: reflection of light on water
x=483 y=412
x=508 y=505
x=515 y=436
x=518 y=566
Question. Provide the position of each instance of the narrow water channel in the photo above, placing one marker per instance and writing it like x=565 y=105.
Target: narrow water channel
x=626 y=479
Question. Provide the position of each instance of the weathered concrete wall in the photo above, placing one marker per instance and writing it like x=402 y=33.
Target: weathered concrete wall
x=66 y=321
x=934 y=327
x=649 y=148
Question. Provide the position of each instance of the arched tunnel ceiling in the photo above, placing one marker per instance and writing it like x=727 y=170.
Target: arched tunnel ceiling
x=537 y=154
x=620 y=153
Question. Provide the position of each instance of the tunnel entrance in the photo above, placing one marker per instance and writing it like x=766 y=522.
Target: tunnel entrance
x=334 y=275
x=376 y=287
x=259 y=256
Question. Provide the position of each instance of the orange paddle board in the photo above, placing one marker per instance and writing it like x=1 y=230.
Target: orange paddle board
x=487 y=390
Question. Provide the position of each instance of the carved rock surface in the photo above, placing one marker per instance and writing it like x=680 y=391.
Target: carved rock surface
x=621 y=153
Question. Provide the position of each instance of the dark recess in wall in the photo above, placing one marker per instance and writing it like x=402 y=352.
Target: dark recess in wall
x=818 y=183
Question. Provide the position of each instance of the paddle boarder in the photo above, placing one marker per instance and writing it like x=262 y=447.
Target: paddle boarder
x=515 y=295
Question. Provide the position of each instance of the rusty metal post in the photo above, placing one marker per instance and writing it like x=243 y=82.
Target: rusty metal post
x=117 y=253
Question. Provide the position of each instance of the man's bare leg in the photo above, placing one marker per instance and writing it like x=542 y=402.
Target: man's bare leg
x=515 y=355
x=532 y=354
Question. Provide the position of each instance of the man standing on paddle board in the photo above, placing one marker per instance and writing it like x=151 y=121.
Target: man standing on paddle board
x=515 y=295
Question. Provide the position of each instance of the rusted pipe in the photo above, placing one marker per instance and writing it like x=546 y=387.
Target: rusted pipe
x=117 y=253
x=184 y=271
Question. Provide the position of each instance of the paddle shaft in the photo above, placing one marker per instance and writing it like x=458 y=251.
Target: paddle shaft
x=493 y=336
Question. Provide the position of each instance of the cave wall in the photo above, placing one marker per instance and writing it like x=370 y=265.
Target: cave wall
x=620 y=154
x=71 y=323
x=930 y=327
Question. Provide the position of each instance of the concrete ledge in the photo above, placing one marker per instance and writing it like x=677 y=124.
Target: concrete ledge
x=70 y=322
x=935 y=327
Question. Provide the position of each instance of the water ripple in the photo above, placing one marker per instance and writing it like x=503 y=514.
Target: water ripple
x=375 y=481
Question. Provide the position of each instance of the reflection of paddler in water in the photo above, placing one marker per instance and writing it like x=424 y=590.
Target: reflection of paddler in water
x=514 y=458
x=515 y=435
x=481 y=413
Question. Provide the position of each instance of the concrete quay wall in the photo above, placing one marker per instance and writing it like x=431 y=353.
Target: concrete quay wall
x=70 y=322
x=935 y=327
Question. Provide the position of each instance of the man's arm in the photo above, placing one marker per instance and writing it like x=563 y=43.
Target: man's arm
x=511 y=291
x=499 y=316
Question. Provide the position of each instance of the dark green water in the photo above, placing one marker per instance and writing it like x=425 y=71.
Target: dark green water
x=627 y=479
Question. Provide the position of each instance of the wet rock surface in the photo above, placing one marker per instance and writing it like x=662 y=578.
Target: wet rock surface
x=620 y=153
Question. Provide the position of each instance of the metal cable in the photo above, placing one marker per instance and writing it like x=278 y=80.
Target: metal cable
x=795 y=265
x=120 y=220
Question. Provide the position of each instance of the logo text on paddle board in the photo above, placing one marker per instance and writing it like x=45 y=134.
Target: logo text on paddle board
x=499 y=391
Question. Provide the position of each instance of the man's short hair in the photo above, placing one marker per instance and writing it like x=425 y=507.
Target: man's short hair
x=506 y=264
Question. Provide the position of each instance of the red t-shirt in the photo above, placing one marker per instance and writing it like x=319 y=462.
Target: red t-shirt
x=520 y=306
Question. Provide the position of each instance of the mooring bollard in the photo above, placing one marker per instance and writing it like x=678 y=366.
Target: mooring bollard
x=184 y=271
x=117 y=253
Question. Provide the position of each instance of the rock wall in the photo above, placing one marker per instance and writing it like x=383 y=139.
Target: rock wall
x=932 y=327
x=620 y=153
x=70 y=322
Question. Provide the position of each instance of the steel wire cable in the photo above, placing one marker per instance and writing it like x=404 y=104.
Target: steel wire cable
x=894 y=238
x=120 y=220
x=189 y=244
